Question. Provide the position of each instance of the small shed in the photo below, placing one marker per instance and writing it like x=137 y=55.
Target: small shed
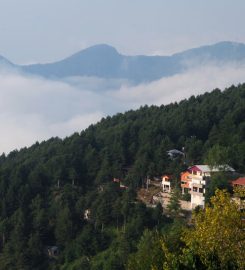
x=53 y=251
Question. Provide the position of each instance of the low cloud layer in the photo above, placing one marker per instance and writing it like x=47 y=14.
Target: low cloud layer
x=33 y=109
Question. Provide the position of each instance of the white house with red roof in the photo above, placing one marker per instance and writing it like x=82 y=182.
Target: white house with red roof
x=200 y=175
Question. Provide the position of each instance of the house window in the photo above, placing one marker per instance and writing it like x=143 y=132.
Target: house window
x=194 y=172
x=195 y=189
x=200 y=190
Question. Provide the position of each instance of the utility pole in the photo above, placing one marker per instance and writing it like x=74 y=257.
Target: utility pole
x=147 y=183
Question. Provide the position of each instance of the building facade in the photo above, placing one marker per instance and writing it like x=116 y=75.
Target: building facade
x=185 y=182
x=196 y=180
x=166 y=183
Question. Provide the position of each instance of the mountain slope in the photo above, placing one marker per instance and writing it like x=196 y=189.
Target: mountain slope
x=5 y=63
x=223 y=52
x=104 y=61
x=100 y=61
x=46 y=189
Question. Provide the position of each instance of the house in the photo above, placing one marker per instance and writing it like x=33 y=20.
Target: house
x=185 y=182
x=118 y=181
x=200 y=176
x=240 y=182
x=53 y=251
x=87 y=214
x=154 y=181
x=239 y=192
x=123 y=186
x=174 y=153
x=166 y=183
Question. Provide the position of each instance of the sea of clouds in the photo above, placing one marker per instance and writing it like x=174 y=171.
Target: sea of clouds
x=35 y=109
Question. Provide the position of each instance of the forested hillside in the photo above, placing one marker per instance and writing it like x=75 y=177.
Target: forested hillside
x=45 y=189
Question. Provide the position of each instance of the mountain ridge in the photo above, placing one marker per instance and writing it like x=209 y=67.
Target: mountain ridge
x=104 y=61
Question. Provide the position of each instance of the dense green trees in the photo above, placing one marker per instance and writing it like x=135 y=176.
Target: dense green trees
x=45 y=189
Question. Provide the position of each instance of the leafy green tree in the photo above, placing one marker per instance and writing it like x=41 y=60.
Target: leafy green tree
x=218 y=234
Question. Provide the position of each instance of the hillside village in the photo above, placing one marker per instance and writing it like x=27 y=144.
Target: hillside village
x=193 y=184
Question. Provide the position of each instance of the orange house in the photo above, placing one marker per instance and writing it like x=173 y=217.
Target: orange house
x=185 y=182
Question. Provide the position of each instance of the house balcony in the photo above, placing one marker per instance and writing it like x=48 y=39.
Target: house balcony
x=195 y=185
x=196 y=193
x=198 y=182
x=199 y=177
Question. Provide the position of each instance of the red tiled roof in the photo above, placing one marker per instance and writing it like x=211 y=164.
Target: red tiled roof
x=184 y=176
x=206 y=168
x=240 y=181
x=167 y=175
x=194 y=168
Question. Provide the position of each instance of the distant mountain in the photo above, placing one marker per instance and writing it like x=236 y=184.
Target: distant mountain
x=104 y=61
x=5 y=63
x=99 y=61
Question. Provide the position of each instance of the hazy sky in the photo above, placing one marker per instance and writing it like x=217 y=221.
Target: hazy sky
x=46 y=30
x=33 y=108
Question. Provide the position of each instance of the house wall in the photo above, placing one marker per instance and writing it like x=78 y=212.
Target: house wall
x=185 y=182
x=185 y=205
x=166 y=186
x=197 y=199
x=198 y=185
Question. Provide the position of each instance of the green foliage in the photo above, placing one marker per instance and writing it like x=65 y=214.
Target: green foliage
x=219 y=180
x=218 y=156
x=186 y=197
x=218 y=235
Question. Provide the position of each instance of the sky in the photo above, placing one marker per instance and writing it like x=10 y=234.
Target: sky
x=35 y=109
x=46 y=30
